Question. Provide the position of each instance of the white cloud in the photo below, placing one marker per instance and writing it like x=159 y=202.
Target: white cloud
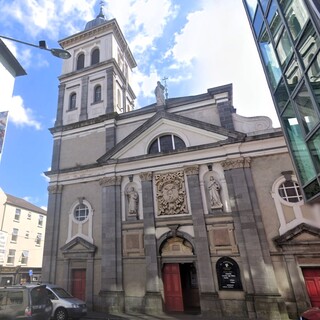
x=20 y=115
x=47 y=179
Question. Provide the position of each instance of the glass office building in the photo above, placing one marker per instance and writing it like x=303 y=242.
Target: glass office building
x=287 y=35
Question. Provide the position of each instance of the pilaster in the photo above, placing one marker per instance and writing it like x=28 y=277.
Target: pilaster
x=59 y=118
x=209 y=299
x=153 y=301
x=110 y=90
x=51 y=249
x=111 y=251
x=84 y=99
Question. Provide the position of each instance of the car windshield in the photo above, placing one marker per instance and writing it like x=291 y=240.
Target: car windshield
x=61 y=293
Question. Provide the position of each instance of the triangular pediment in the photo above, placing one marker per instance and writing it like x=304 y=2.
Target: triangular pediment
x=78 y=245
x=301 y=235
x=193 y=132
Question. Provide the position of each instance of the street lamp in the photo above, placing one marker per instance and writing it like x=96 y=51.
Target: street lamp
x=59 y=53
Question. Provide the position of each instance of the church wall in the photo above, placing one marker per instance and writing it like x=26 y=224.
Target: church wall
x=207 y=114
x=74 y=148
x=264 y=175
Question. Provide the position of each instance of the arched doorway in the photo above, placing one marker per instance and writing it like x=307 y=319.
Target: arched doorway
x=179 y=276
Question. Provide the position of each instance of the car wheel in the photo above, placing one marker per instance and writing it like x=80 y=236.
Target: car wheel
x=61 y=314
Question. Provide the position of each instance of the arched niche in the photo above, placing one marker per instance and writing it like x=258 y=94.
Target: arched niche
x=176 y=246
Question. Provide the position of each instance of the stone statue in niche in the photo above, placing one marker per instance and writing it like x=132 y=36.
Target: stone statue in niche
x=214 y=193
x=133 y=201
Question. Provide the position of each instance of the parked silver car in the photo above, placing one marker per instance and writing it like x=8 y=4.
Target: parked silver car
x=65 y=306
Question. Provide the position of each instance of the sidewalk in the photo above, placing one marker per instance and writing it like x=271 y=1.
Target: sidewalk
x=104 y=316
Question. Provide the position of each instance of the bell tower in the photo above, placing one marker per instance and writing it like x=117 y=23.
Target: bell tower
x=96 y=79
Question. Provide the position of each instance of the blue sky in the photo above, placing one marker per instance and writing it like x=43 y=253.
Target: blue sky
x=197 y=44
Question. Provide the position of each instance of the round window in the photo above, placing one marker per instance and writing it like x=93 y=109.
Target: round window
x=290 y=191
x=81 y=212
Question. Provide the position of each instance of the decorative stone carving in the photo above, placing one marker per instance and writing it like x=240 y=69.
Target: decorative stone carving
x=236 y=163
x=177 y=246
x=55 y=189
x=191 y=170
x=146 y=176
x=133 y=201
x=171 y=193
x=214 y=193
x=133 y=243
x=110 y=181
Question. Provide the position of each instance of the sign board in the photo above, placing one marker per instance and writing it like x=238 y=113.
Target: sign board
x=228 y=274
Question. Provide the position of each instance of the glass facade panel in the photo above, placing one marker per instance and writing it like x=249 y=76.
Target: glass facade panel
x=281 y=96
x=270 y=60
x=312 y=189
x=308 y=115
x=298 y=146
x=296 y=15
x=274 y=20
x=314 y=78
x=284 y=48
x=293 y=74
x=252 y=7
x=308 y=45
x=258 y=21
x=264 y=4
x=314 y=147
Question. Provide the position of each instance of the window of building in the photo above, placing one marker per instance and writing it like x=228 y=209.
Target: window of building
x=95 y=56
x=314 y=147
x=24 y=257
x=297 y=144
x=27 y=234
x=274 y=21
x=284 y=48
x=269 y=58
x=81 y=212
x=296 y=15
x=293 y=74
x=11 y=255
x=119 y=99
x=252 y=7
x=40 y=221
x=17 y=215
x=97 y=93
x=281 y=95
x=29 y=216
x=257 y=23
x=72 y=101
x=306 y=109
x=166 y=143
x=14 y=236
x=80 y=61
x=38 y=239
x=290 y=191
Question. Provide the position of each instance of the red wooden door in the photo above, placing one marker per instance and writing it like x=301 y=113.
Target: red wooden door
x=172 y=287
x=312 y=279
x=79 y=284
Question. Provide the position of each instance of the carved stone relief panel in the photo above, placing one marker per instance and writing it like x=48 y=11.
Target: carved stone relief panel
x=171 y=193
x=222 y=239
x=175 y=247
x=133 y=243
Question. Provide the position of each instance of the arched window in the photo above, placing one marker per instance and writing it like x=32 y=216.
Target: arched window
x=72 y=101
x=97 y=94
x=166 y=143
x=80 y=61
x=95 y=56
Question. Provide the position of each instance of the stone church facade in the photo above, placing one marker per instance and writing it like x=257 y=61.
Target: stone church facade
x=178 y=206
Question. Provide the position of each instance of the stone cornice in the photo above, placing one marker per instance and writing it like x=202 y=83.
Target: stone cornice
x=110 y=181
x=241 y=162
